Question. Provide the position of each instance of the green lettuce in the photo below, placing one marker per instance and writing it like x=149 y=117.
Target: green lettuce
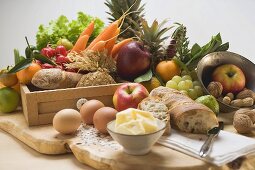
x=63 y=28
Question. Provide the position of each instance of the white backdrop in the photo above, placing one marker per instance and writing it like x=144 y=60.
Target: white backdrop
x=235 y=19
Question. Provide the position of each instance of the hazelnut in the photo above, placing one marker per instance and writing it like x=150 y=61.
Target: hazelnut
x=215 y=88
x=230 y=95
x=226 y=100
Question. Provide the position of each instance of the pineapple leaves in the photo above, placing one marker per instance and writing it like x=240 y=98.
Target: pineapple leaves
x=133 y=11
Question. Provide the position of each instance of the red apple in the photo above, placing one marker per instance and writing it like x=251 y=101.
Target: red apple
x=129 y=95
x=133 y=60
x=231 y=77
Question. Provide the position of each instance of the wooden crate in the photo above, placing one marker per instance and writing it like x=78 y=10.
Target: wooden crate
x=39 y=107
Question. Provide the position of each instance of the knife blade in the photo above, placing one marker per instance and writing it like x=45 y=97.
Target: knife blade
x=212 y=133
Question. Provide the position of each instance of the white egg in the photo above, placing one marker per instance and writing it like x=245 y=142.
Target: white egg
x=67 y=121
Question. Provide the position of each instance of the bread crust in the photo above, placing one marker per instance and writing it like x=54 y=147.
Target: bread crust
x=55 y=78
x=158 y=109
x=186 y=114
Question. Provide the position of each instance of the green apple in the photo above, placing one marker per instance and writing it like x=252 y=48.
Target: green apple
x=209 y=101
x=231 y=77
x=66 y=43
x=9 y=100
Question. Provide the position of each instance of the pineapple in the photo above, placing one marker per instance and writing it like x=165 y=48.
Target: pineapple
x=152 y=38
x=136 y=13
x=181 y=42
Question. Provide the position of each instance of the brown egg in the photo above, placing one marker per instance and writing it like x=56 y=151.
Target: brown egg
x=67 y=121
x=102 y=117
x=88 y=110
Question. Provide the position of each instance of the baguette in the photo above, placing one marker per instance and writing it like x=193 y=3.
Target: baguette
x=158 y=109
x=186 y=114
x=55 y=78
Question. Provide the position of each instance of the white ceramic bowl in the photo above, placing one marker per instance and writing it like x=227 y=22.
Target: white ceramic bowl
x=136 y=144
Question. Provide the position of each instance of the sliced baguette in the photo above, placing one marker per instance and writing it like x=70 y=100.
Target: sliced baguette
x=186 y=114
x=158 y=109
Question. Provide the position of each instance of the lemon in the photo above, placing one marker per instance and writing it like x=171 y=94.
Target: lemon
x=151 y=84
x=9 y=99
x=209 y=101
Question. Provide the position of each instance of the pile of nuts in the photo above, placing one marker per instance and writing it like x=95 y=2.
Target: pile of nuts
x=245 y=98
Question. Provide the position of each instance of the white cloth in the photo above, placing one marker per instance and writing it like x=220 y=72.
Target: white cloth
x=226 y=147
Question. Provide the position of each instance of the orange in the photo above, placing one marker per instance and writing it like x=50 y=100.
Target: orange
x=8 y=79
x=25 y=76
x=16 y=87
x=1 y=85
x=167 y=70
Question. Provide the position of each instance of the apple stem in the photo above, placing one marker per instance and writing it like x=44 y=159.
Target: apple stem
x=129 y=90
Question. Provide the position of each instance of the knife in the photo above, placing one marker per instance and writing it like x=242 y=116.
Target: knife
x=212 y=133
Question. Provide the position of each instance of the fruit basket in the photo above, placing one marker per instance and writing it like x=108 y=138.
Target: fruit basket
x=39 y=107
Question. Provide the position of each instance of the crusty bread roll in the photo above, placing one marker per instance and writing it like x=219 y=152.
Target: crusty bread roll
x=55 y=78
x=186 y=114
x=158 y=109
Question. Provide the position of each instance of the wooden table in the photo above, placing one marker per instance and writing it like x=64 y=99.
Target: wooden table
x=16 y=155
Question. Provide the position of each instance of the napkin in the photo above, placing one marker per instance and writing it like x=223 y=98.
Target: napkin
x=226 y=147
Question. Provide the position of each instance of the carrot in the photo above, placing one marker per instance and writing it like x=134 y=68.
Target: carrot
x=81 y=43
x=99 y=46
x=117 y=47
x=109 y=45
x=106 y=34
x=89 y=29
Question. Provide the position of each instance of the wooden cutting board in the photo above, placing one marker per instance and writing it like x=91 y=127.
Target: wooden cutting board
x=99 y=152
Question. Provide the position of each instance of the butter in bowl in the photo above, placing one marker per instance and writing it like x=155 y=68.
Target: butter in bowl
x=137 y=131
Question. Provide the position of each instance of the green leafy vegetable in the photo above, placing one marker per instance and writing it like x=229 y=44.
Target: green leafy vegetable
x=187 y=58
x=63 y=28
x=145 y=77
x=31 y=54
x=21 y=65
x=17 y=56
x=43 y=59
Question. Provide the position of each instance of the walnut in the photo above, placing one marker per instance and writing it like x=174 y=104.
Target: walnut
x=245 y=93
x=243 y=120
x=247 y=111
x=215 y=88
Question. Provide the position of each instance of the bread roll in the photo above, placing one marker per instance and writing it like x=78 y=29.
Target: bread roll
x=158 y=109
x=55 y=78
x=186 y=114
